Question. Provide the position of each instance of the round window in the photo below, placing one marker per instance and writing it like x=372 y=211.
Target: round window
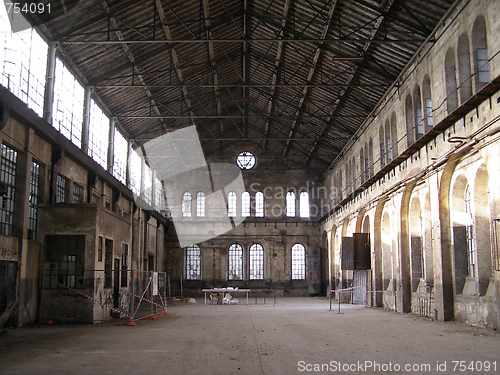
x=245 y=160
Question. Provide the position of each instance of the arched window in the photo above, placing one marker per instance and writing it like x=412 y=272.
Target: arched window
x=394 y=136
x=298 y=262
x=193 y=262
x=245 y=204
x=290 y=204
x=186 y=204
x=304 y=204
x=388 y=145
x=451 y=81
x=259 y=204
x=480 y=51
x=235 y=262
x=464 y=71
x=410 y=127
x=419 y=117
x=231 y=204
x=362 y=164
x=256 y=262
x=382 y=146
x=200 y=204
x=426 y=92
x=370 y=157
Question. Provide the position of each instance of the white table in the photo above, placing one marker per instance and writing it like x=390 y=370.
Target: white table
x=225 y=290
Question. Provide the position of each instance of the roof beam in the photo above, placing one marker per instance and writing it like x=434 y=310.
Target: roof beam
x=310 y=75
x=274 y=78
x=337 y=106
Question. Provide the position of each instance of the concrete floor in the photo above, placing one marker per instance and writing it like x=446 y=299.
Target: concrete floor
x=289 y=337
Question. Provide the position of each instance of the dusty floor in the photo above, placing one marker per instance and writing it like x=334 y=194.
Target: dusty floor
x=293 y=336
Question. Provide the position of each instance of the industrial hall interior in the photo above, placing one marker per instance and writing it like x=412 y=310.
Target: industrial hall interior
x=160 y=149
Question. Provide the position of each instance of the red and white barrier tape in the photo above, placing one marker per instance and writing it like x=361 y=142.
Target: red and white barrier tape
x=93 y=299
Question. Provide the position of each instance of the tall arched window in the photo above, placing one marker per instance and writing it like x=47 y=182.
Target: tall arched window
x=186 y=204
x=480 y=51
x=256 y=262
x=245 y=204
x=304 y=204
x=193 y=262
x=419 y=117
x=235 y=262
x=410 y=127
x=394 y=136
x=382 y=146
x=451 y=81
x=388 y=145
x=259 y=204
x=362 y=164
x=298 y=262
x=464 y=71
x=370 y=157
x=290 y=204
x=231 y=204
x=426 y=92
x=200 y=204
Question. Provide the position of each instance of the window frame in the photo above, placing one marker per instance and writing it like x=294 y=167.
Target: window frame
x=298 y=271
x=235 y=262
x=193 y=257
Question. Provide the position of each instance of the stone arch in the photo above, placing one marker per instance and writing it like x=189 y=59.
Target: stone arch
x=444 y=295
x=377 y=247
x=459 y=222
x=405 y=254
x=416 y=243
x=482 y=226
x=427 y=237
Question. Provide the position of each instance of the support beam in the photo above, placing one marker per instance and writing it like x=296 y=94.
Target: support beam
x=86 y=119
x=48 y=103
x=111 y=144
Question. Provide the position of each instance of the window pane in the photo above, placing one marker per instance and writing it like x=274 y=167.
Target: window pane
x=200 y=204
x=256 y=262
x=245 y=204
x=120 y=157
x=290 y=204
x=298 y=262
x=231 y=204
x=259 y=204
x=193 y=262
x=8 y=178
x=33 y=201
x=235 y=257
x=67 y=111
x=98 y=135
x=304 y=204
x=186 y=204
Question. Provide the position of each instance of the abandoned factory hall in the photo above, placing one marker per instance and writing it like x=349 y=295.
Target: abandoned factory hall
x=250 y=186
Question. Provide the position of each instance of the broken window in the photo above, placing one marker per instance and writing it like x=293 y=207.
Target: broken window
x=235 y=257
x=33 y=201
x=64 y=265
x=193 y=262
